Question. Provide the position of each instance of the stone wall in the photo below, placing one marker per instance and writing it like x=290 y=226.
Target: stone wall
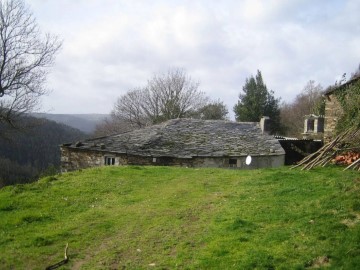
x=79 y=159
x=74 y=159
x=333 y=111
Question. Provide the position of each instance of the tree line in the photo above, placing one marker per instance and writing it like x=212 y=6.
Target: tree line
x=166 y=96
x=174 y=94
x=26 y=55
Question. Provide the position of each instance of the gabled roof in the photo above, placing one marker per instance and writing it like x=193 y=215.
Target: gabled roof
x=187 y=138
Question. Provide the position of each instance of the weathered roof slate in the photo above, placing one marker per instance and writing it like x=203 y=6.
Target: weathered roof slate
x=187 y=138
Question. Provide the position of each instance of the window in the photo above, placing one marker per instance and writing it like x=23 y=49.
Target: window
x=109 y=160
x=232 y=162
x=154 y=160
x=310 y=125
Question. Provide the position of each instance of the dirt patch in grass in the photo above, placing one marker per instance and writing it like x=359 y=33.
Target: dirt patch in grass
x=320 y=262
x=353 y=221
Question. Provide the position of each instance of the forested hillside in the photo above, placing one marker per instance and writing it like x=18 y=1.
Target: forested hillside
x=84 y=122
x=29 y=152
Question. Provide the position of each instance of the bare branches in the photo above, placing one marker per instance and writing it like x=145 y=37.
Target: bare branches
x=131 y=108
x=25 y=55
x=309 y=101
x=175 y=94
x=330 y=150
x=166 y=96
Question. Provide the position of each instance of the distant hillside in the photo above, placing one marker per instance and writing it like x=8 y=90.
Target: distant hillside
x=24 y=154
x=84 y=122
x=180 y=218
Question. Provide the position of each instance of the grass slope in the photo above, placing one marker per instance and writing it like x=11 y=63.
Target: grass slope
x=178 y=218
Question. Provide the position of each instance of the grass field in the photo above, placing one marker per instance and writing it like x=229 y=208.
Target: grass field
x=179 y=218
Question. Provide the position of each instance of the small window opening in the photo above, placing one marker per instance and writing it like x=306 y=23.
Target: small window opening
x=154 y=159
x=232 y=162
x=310 y=125
x=109 y=161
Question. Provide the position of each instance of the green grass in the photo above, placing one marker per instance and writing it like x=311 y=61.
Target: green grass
x=177 y=218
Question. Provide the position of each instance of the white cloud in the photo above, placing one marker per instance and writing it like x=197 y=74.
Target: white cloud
x=112 y=46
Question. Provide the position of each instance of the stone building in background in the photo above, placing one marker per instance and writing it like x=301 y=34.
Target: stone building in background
x=180 y=142
x=313 y=127
x=333 y=109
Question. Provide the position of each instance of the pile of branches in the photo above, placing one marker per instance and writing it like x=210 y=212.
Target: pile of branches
x=348 y=141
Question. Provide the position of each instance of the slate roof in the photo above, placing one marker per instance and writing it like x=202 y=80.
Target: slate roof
x=187 y=138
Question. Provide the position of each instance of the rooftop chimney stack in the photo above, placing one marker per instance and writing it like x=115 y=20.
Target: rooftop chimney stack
x=265 y=124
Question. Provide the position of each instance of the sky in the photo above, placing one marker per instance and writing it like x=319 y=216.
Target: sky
x=113 y=46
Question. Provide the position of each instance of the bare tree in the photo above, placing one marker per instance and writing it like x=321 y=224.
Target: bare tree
x=309 y=101
x=130 y=108
x=25 y=56
x=111 y=125
x=172 y=95
x=166 y=96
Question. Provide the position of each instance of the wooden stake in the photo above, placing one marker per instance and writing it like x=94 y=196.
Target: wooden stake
x=57 y=265
x=353 y=164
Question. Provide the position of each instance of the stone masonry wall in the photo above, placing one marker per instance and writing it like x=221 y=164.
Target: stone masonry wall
x=333 y=111
x=73 y=159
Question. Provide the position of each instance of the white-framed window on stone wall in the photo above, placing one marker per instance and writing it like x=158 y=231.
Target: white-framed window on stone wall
x=109 y=160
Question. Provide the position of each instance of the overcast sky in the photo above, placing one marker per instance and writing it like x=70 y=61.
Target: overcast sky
x=111 y=46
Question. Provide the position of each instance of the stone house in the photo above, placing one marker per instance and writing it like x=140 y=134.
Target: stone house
x=333 y=108
x=179 y=142
x=313 y=127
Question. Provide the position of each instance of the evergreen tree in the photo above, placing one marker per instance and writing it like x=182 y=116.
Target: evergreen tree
x=257 y=101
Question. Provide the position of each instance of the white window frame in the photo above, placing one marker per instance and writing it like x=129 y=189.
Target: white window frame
x=110 y=161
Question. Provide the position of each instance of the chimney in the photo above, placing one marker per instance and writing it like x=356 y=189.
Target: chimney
x=265 y=124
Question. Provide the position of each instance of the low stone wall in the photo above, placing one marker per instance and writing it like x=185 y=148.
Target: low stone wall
x=74 y=159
